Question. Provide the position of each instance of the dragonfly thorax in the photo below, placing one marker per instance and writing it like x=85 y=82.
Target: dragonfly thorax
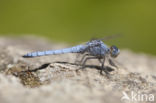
x=98 y=48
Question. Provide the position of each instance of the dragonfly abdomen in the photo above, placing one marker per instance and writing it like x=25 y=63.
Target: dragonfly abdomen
x=75 y=49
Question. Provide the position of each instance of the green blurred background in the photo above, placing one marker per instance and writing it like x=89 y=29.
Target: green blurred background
x=76 y=21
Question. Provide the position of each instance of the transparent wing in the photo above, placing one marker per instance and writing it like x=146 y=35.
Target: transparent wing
x=109 y=37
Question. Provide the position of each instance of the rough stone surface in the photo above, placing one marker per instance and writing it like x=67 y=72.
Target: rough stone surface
x=58 y=79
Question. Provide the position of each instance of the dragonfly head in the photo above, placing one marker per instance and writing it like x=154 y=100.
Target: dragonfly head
x=114 y=51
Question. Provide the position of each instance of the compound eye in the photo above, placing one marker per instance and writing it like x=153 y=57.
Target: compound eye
x=114 y=48
x=114 y=51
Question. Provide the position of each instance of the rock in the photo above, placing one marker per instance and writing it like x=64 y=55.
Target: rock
x=57 y=78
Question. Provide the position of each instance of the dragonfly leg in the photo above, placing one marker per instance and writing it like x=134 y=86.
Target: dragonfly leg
x=83 y=57
x=103 y=62
x=86 y=59
x=112 y=63
x=102 y=66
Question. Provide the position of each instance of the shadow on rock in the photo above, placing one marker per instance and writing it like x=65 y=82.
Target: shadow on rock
x=106 y=69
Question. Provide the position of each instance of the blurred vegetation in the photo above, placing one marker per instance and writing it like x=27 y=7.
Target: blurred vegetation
x=75 y=21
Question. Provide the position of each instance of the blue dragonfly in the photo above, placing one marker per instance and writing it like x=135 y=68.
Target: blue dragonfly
x=94 y=49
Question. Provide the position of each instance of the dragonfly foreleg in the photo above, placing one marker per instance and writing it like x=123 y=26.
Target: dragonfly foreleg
x=112 y=63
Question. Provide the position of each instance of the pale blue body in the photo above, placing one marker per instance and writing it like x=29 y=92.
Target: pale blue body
x=94 y=47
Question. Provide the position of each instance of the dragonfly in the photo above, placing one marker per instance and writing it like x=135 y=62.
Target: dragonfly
x=94 y=49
